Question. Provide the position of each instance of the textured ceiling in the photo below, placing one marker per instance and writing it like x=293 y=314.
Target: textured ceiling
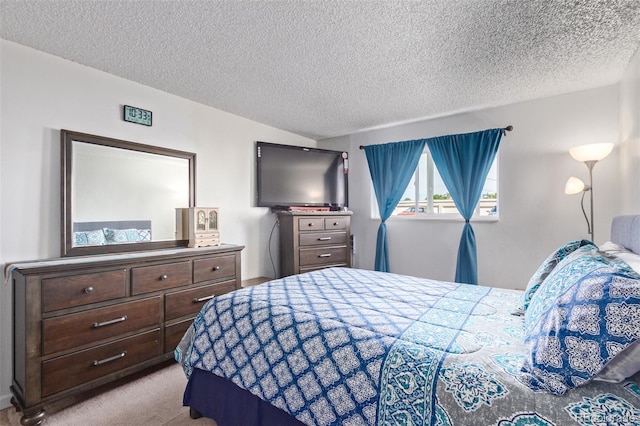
x=329 y=68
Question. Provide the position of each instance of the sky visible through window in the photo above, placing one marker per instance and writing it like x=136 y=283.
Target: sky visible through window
x=490 y=186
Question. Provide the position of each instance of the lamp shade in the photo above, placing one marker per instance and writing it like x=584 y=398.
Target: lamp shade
x=574 y=186
x=591 y=152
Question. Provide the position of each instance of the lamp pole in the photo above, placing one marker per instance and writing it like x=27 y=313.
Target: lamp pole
x=590 y=165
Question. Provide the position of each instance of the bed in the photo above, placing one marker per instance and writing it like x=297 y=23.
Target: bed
x=355 y=347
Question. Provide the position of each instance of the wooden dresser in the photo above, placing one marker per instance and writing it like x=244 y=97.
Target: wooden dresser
x=314 y=240
x=81 y=322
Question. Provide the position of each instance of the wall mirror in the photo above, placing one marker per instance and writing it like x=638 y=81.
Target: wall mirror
x=120 y=196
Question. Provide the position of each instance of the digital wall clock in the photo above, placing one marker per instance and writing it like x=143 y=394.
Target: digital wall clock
x=137 y=115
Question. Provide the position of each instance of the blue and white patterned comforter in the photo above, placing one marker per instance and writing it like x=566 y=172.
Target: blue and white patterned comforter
x=354 y=347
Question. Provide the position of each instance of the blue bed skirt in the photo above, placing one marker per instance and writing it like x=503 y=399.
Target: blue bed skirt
x=229 y=405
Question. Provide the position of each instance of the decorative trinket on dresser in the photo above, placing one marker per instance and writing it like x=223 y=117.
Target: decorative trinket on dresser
x=199 y=225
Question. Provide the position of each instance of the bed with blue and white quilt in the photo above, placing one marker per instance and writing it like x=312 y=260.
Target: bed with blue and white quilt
x=345 y=346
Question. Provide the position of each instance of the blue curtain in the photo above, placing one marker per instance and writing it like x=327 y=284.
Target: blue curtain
x=391 y=166
x=463 y=162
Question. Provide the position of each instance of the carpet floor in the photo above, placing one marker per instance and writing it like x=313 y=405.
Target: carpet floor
x=153 y=399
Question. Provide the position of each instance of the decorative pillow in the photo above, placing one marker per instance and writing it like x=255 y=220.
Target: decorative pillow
x=89 y=238
x=547 y=266
x=563 y=276
x=144 y=234
x=585 y=314
x=123 y=236
x=627 y=363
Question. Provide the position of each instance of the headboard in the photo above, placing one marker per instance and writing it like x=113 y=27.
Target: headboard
x=118 y=224
x=625 y=230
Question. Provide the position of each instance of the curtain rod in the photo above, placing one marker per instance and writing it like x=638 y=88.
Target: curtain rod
x=506 y=129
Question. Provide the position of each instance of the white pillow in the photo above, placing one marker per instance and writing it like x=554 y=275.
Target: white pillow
x=631 y=258
x=611 y=247
x=623 y=365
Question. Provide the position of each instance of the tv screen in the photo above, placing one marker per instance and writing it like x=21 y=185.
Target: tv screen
x=296 y=176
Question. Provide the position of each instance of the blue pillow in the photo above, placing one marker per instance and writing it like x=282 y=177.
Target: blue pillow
x=585 y=313
x=547 y=266
x=89 y=238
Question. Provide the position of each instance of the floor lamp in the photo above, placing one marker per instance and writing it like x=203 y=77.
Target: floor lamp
x=589 y=155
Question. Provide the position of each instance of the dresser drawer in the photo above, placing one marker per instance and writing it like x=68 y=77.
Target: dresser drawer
x=213 y=268
x=190 y=301
x=204 y=241
x=323 y=239
x=335 y=223
x=173 y=334
x=323 y=255
x=159 y=277
x=310 y=224
x=76 y=290
x=69 y=331
x=68 y=371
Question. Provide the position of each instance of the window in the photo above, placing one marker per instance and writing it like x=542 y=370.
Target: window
x=427 y=196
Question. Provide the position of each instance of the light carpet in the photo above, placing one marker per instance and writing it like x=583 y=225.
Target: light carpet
x=152 y=399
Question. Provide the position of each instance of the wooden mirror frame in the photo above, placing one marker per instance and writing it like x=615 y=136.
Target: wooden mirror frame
x=67 y=137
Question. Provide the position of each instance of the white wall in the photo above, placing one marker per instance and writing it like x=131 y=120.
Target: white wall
x=534 y=164
x=41 y=94
x=630 y=137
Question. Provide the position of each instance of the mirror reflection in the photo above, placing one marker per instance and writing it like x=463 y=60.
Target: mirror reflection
x=122 y=196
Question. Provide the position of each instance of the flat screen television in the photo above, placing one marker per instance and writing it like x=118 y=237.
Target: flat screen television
x=296 y=176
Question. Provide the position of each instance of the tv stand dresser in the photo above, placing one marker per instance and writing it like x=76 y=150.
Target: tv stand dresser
x=81 y=322
x=314 y=240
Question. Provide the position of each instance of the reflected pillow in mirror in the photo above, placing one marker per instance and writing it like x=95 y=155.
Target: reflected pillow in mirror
x=89 y=238
x=123 y=236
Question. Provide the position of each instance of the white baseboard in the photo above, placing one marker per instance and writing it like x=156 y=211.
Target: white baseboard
x=5 y=401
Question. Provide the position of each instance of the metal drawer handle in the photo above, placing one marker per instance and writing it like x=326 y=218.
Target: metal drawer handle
x=164 y=277
x=203 y=299
x=324 y=238
x=113 y=321
x=335 y=223
x=310 y=224
x=88 y=290
x=325 y=255
x=110 y=359
x=216 y=268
